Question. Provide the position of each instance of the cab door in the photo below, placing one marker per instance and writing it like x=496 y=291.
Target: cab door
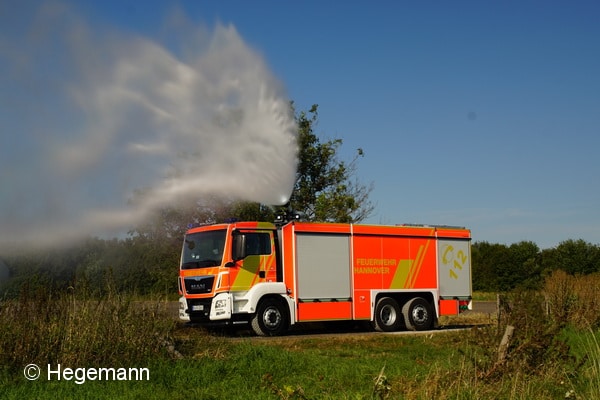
x=254 y=256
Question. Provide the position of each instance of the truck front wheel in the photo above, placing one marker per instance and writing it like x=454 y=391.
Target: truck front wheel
x=418 y=314
x=387 y=315
x=271 y=318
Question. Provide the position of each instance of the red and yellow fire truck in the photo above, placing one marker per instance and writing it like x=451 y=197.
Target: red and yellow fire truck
x=272 y=276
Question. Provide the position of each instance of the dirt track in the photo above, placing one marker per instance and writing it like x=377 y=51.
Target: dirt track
x=485 y=307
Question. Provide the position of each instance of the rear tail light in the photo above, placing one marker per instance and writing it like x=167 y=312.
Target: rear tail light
x=463 y=305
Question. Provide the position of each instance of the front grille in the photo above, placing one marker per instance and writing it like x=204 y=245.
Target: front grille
x=199 y=284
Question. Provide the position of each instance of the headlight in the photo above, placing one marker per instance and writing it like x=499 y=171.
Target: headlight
x=220 y=303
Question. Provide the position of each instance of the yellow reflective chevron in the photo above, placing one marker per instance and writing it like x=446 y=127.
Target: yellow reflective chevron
x=247 y=273
x=401 y=274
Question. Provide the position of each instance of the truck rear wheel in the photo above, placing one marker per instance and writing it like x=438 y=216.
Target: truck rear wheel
x=387 y=315
x=418 y=314
x=271 y=318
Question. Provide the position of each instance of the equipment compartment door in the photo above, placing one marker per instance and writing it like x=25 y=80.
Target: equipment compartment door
x=454 y=268
x=323 y=262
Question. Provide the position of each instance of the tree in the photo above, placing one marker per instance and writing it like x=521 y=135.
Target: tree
x=486 y=257
x=526 y=269
x=326 y=189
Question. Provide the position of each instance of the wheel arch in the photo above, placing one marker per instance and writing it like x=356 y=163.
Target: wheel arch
x=247 y=302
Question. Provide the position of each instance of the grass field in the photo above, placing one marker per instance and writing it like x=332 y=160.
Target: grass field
x=430 y=366
x=546 y=359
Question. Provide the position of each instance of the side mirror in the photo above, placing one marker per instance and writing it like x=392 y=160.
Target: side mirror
x=239 y=246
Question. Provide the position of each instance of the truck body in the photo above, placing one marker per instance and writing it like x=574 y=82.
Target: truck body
x=272 y=277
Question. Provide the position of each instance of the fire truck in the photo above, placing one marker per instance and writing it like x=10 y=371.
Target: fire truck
x=273 y=276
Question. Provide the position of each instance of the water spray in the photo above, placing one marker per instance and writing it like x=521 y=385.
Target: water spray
x=120 y=113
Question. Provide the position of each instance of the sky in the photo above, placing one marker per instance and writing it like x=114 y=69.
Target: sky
x=469 y=113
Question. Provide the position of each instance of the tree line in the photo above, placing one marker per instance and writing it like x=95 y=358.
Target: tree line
x=499 y=267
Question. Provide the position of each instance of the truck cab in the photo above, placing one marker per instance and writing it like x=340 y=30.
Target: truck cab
x=226 y=268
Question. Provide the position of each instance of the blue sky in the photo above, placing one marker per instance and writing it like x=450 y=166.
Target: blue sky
x=480 y=114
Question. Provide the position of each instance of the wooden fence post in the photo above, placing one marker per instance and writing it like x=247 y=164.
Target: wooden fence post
x=504 y=343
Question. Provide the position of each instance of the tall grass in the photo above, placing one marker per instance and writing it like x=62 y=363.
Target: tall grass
x=540 y=360
x=77 y=329
x=573 y=299
x=593 y=376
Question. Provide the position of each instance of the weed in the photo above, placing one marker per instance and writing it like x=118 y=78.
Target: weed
x=286 y=392
x=382 y=387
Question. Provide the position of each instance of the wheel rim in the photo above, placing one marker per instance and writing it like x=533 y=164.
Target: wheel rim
x=388 y=315
x=272 y=318
x=420 y=315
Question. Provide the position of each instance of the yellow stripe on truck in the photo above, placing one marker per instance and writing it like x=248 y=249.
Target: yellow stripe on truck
x=399 y=279
x=246 y=274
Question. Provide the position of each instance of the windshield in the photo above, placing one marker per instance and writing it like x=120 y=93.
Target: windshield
x=203 y=249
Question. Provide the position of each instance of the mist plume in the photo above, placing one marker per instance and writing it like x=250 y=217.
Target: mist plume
x=90 y=114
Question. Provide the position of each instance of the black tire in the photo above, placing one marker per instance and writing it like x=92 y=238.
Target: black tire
x=387 y=315
x=418 y=314
x=271 y=318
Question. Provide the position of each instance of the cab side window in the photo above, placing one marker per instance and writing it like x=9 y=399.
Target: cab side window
x=258 y=243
